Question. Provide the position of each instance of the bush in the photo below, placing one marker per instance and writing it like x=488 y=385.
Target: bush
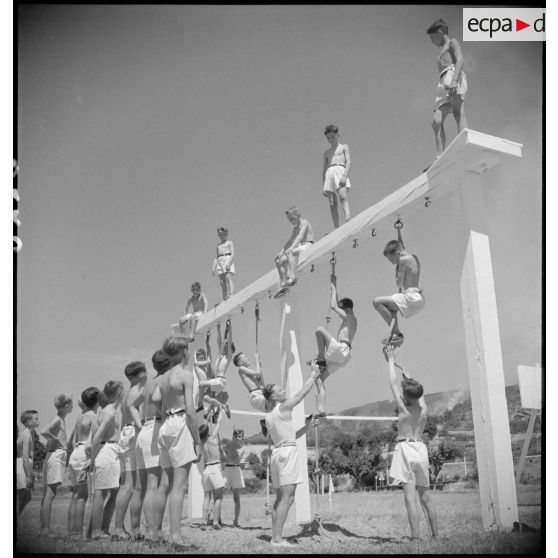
x=252 y=485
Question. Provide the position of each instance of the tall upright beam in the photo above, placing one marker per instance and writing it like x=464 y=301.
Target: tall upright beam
x=486 y=381
x=195 y=487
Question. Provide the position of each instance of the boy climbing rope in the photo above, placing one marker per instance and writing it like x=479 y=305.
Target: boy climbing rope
x=409 y=299
x=302 y=237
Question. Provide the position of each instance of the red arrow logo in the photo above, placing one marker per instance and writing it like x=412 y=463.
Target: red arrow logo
x=519 y=25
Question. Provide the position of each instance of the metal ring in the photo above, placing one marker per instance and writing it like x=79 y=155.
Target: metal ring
x=398 y=224
x=328 y=319
x=427 y=202
x=312 y=267
x=333 y=261
x=242 y=309
x=355 y=243
x=373 y=232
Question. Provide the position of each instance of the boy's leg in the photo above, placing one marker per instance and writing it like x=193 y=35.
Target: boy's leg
x=230 y=284
x=280 y=264
x=410 y=491
x=23 y=498
x=428 y=505
x=122 y=500
x=332 y=199
x=323 y=337
x=218 y=500
x=321 y=389
x=97 y=513
x=205 y=506
x=108 y=510
x=82 y=493
x=72 y=511
x=286 y=494
x=46 y=506
x=342 y=194
x=165 y=482
x=291 y=266
x=458 y=109
x=389 y=311
x=176 y=500
x=136 y=502
x=236 y=498
x=223 y=283
x=438 y=127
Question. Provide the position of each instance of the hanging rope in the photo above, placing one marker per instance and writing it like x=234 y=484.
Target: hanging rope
x=332 y=262
x=258 y=361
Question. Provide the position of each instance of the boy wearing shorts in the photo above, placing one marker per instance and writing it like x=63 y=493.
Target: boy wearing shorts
x=234 y=451
x=24 y=459
x=198 y=302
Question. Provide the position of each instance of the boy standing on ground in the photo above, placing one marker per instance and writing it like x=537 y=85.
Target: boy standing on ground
x=130 y=491
x=198 y=302
x=410 y=465
x=334 y=353
x=179 y=439
x=55 y=460
x=409 y=299
x=336 y=183
x=24 y=460
x=234 y=451
x=452 y=85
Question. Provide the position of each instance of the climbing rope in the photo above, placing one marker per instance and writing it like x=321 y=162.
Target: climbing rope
x=398 y=226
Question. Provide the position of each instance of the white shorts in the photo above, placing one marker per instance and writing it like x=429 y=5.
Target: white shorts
x=332 y=177
x=107 y=467
x=235 y=479
x=77 y=463
x=147 y=447
x=54 y=468
x=337 y=355
x=127 y=448
x=410 y=463
x=212 y=478
x=257 y=400
x=442 y=91
x=219 y=265
x=218 y=384
x=285 y=467
x=21 y=477
x=176 y=445
x=409 y=302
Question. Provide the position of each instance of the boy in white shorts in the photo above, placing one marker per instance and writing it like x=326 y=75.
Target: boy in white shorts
x=130 y=492
x=252 y=380
x=409 y=465
x=55 y=460
x=24 y=460
x=336 y=183
x=285 y=469
x=409 y=300
x=234 y=452
x=79 y=463
x=198 y=302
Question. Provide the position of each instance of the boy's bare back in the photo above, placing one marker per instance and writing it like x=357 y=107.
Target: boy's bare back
x=173 y=387
x=412 y=422
x=408 y=271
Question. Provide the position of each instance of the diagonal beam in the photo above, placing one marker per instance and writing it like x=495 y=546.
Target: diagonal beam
x=470 y=151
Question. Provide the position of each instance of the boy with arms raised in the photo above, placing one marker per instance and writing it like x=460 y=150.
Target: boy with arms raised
x=234 y=451
x=24 y=460
x=79 y=462
x=55 y=460
x=130 y=491
x=410 y=465
x=336 y=183
x=179 y=439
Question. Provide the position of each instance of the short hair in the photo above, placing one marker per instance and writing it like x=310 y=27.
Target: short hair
x=134 y=368
x=411 y=388
x=196 y=284
x=26 y=416
x=267 y=391
x=112 y=389
x=236 y=358
x=102 y=400
x=438 y=25
x=161 y=361
x=173 y=345
x=62 y=400
x=331 y=128
x=391 y=247
x=201 y=351
x=345 y=303
x=222 y=229
x=204 y=432
x=90 y=396
x=293 y=210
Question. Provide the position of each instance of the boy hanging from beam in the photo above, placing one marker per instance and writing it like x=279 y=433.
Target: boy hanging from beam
x=334 y=353
x=409 y=299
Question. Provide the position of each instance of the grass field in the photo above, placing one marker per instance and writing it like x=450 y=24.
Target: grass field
x=361 y=523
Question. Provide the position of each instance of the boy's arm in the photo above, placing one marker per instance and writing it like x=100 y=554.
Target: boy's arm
x=293 y=401
x=135 y=411
x=334 y=303
x=215 y=432
x=205 y=303
x=26 y=455
x=298 y=237
x=325 y=167
x=51 y=430
x=289 y=242
x=96 y=441
x=390 y=354
x=231 y=257
x=191 y=416
x=188 y=304
x=400 y=276
x=347 y=165
x=455 y=47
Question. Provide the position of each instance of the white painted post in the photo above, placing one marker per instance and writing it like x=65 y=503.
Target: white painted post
x=526 y=444
x=195 y=488
x=486 y=377
x=291 y=377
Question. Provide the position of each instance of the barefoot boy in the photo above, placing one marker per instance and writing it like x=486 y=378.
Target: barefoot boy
x=252 y=380
x=334 y=353
x=234 y=451
x=198 y=302
x=130 y=491
x=223 y=265
x=452 y=85
x=409 y=299
x=302 y=237
x=337 y=162
x=79 y=463
x=55 y=460
x=24 y=460
x=409 y=465
x=179 y=439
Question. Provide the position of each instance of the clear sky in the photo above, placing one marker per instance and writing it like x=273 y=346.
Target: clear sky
x=143 y=128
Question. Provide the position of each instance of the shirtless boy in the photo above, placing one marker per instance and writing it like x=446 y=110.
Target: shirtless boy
x=55 y=460
x=79 y=463
x=213 y=480
x=234 y=451
x=156 y=482
x=409 y=465
x=302 y=237
x=409 y=299
x=252 y=380
x=334 y=353
x=24 y=460
x=336 y=183
x=198 y=302
x=104 y=456
x=130 y=491
x=179 y=439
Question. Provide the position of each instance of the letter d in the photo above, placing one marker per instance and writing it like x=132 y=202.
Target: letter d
x=536 y=24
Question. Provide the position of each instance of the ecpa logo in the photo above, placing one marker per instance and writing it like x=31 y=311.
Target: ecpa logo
x=504 y=24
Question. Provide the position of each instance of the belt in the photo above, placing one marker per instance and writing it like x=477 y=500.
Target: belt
x=255 y=389
x=171 y=413
x=307 y=242
x=109 y=442
x=346 y=343
x=214 y=463
x=81 y=444
x=336 y=165
x=285 y=444
x=408 y=440
x=231 y=465
x=227 y=254
x=149 y=419
x=128 y=424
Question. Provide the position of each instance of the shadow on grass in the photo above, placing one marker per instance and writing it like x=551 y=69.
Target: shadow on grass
x=313 y=530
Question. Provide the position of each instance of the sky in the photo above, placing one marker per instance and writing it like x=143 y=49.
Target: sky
x=141 y=129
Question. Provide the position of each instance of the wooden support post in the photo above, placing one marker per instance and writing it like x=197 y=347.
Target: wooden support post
x=488 y=397
x=195 y=488
x=526 y=443
x=291 y=377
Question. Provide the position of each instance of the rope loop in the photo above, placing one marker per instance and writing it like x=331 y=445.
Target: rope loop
x=333 y=261
x=398 y=224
